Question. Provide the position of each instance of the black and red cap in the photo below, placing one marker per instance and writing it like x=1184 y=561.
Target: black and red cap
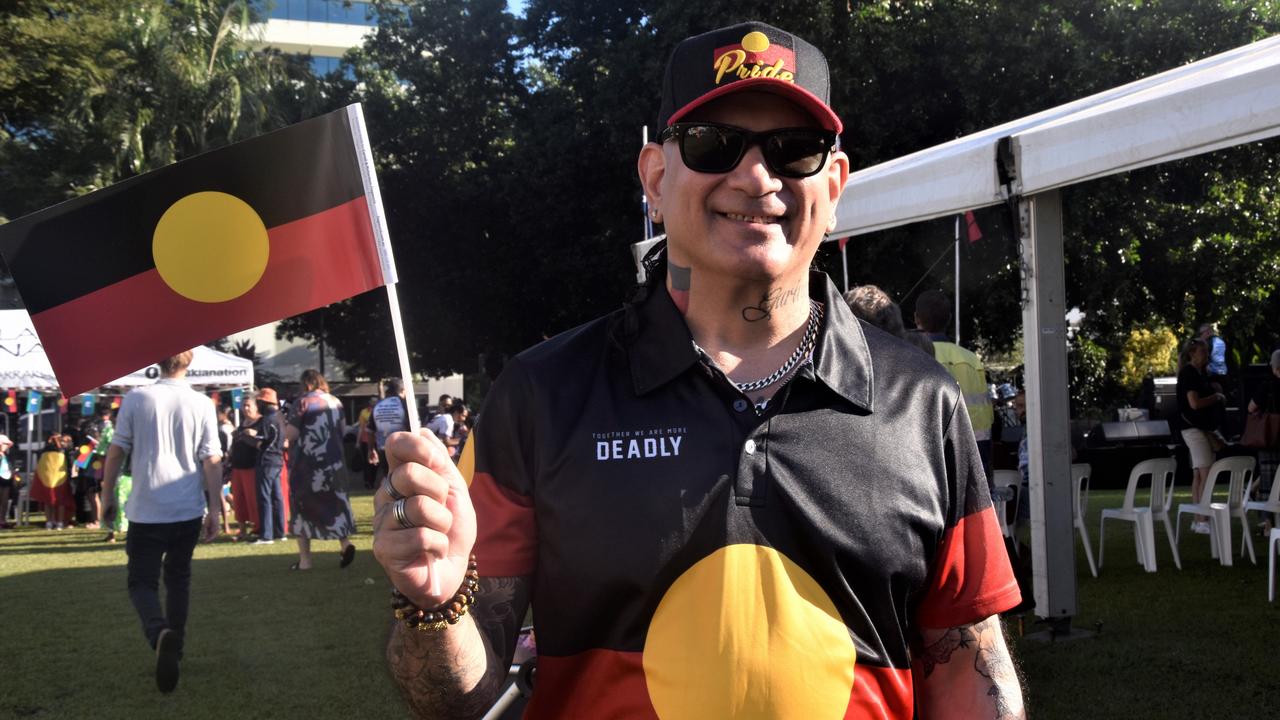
x=747 y=56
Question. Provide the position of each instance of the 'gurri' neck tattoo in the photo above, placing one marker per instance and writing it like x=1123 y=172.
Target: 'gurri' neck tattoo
x=772 y=298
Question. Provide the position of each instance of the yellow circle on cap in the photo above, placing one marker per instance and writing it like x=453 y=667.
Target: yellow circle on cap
x=210 y=247
x=747 y=633
x=755 y=41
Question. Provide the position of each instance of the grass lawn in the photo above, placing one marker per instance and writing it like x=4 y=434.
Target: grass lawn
x=264 y=642
x=1195 y=643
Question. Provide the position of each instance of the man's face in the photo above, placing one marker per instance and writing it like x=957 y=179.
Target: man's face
x=748 y=223
x=250 y=408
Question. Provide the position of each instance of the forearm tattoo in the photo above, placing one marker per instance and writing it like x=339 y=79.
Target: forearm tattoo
x=431 y=669
x=991 y=660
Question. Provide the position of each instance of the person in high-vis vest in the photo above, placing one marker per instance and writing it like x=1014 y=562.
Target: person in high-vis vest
x=933 y=312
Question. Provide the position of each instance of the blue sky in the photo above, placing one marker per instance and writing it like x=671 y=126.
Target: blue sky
x=516 y=6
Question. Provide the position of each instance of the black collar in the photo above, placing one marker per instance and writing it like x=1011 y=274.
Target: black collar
x=661 y=347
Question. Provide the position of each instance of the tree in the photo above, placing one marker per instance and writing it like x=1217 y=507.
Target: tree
x=95 y=92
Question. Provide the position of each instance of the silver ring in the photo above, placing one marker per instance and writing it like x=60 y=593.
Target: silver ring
x=391 y=489
x=397 y=509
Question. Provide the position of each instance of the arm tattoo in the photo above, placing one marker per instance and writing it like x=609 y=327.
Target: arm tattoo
x=991 y=660
x=772 y=298
x=430 y=668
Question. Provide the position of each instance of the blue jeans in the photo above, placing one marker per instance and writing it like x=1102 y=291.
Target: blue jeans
x=270 y=502
x=151 y=547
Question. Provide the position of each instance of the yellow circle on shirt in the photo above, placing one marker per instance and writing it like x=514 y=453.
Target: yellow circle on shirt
x=747 y=633
x=210 y=247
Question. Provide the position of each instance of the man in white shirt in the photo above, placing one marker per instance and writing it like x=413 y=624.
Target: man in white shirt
x=171 y=433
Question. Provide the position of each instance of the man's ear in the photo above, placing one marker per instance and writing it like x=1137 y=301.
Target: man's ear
x=652 y=166
x=837 y=176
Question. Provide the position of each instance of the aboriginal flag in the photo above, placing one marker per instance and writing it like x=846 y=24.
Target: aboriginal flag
x=228 y=240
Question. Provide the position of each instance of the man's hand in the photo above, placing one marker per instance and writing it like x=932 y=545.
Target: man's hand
x=426 y=562
x=210 y=527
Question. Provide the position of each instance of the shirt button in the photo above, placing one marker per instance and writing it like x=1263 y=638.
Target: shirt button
x=750 y=447
x=740 y=405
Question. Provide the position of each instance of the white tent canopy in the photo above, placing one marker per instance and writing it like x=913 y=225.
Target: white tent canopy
x=23 y=364
x=1218 y=102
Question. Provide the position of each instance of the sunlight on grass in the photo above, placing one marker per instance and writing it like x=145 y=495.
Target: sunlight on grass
x=263 y=641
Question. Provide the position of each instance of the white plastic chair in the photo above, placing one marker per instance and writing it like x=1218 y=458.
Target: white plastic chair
x=1080 y=473
x=1271 y=571
x=1271 y=504
x=1162 y=502
x=1143 y=526
x=1002 y=479
x=1237 y=496
x=1240 y=469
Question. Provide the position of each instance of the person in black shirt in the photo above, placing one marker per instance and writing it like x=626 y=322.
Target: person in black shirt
x=1267 y=400
x=1199 y=407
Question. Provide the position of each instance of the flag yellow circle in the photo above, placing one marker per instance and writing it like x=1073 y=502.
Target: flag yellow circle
x=755 y=41
x=210 y=247
x=747 y=633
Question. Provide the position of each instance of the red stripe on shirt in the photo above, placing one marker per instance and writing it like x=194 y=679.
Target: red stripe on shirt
x=506 y=532
x=880 y=692
x=597 y=684
x=971 y=579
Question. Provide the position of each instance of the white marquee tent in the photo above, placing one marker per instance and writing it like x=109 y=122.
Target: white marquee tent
x=24 y=366
x=1218 y=102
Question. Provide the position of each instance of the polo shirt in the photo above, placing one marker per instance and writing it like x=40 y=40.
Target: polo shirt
x=690 y=558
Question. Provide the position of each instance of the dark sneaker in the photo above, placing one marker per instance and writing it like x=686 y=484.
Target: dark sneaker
x=167 y=656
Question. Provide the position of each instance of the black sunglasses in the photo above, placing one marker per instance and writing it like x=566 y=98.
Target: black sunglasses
x=714 y=148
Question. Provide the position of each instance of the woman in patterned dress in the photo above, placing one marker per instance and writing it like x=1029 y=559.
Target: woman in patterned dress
x=317 y=498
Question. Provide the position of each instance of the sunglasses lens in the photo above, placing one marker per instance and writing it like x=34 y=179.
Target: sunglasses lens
x=711 y=149
x=796 y=153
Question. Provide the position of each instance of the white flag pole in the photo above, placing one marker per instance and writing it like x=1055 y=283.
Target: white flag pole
x=383 y=240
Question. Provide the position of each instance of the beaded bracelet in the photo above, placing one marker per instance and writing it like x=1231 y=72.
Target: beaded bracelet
x=447 y=613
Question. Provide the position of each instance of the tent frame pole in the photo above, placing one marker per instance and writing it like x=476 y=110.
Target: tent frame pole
x=1048 y=405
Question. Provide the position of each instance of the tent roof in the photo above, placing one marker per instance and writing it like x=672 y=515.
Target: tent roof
x=1223 y=100
x=23 y=364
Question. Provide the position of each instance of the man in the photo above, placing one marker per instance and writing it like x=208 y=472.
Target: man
x=933 y=312
x=1217 y=367
x=724 y=499
x=267 y=434
x=390 y=415
x=169 y=432
x=874 y=306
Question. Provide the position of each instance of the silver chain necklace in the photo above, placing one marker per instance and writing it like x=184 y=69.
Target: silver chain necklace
x=801 y=352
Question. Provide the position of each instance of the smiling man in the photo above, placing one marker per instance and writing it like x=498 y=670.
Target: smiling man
x=730 y=498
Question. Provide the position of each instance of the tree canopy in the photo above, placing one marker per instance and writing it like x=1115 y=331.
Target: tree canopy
x=506 y=146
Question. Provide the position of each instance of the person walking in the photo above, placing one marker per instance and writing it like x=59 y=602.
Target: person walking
x=319 y=502
x=170 y=434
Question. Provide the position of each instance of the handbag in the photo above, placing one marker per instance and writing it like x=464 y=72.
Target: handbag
x=1261 y=430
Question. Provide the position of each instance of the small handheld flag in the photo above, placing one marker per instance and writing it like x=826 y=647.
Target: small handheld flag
x=86 y=452
x=11 y=402
x=115 y=402
x=237 y=398
x=62 y=404
x=228 y=240
x=86 y=405
x=33 y=402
